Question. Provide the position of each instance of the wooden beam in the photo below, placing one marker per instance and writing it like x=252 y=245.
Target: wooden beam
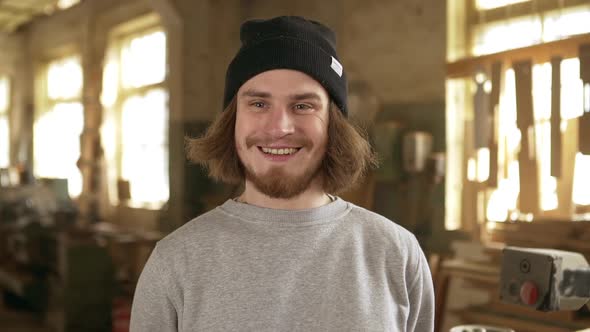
x=469 y=192
x=556 y=117
x=528 y=169
x=584 y=133
x=493 y=136
x=565 y=184
x=566 y=48
x=481 y=117
x=584 y=55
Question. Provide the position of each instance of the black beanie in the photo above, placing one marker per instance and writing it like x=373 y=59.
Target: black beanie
x=287 y=42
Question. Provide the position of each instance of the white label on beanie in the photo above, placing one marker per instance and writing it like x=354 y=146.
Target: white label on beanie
x=336 y=66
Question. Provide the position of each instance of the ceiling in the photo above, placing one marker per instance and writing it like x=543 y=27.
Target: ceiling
x=14 y=13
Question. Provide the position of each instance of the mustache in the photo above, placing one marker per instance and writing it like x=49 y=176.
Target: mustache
x=265 y=140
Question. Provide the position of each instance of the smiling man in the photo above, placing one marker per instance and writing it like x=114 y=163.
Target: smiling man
x=286 y=254
x=281 y=138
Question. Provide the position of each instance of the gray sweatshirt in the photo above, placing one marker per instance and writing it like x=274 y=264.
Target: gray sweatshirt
x=240 y=267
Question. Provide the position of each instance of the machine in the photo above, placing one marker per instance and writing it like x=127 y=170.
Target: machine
x=544 y=279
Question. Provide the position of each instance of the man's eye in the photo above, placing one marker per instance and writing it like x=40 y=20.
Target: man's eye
x=302 y=107
x=258 y=104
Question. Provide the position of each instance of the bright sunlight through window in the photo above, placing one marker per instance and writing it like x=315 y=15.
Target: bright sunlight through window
x=143 y=60
x=135 y=128
x=489 y=32
x=490 y=4
x=581 y=180
x=503 y=200
x=529 y=30
x=505 y=35
x=59 y=124
x=63 y=4
x=542 y=114
x=4 y=128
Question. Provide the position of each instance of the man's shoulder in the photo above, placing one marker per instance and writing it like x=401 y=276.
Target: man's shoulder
x=380 y=225
x=190 y=232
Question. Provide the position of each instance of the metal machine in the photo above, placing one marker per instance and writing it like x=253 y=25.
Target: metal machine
x=544 y=279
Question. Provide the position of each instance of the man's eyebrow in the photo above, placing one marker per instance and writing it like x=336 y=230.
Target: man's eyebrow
x=303 y=96
x=297 y=96
x=255 y=93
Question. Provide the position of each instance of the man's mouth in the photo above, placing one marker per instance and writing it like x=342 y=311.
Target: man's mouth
x=278 y=151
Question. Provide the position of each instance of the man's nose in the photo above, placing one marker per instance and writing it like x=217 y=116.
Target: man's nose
x=280 y=122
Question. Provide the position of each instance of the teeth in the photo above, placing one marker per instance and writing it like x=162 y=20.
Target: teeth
x=279 y=151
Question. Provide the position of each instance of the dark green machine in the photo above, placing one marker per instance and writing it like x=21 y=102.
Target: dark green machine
x=50 y=269
x=89 y=289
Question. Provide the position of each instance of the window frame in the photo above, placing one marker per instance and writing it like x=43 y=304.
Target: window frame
x=462 y=66
x=44 y=103
x=118 y=38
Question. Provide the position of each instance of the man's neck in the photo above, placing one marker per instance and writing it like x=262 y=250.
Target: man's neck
x=311 y=198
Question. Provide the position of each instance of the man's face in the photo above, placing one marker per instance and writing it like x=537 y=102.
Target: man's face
x=281 y=131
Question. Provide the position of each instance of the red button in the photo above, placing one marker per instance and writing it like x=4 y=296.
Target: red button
x=529 y=293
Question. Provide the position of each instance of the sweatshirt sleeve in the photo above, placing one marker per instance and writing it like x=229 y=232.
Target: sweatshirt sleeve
x=153 y=308
x=421 y=296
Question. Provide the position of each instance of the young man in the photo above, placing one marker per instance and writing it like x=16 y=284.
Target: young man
x=285 y=255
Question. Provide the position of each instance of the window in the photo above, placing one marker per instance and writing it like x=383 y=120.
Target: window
x=510 y=136
x=135 y=127
x=4 y=127
x=59 y=122
x=526 y=30
x=487 y=34
x=64 y=4
x=491 y=4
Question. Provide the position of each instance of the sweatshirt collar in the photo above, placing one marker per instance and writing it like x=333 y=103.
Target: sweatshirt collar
x=253 y=213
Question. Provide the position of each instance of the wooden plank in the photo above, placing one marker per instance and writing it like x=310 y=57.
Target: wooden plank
x=584 y=133
x=555 y=228
x=528 y=169
x=524 y=95
x=496 y=76
x=558 y=235
x=565 y=48
x=441 y=286
x=517 y=323
x=469 y=193
x=481 y=117
x=584 y=55
x=493 y=133
x=469 y=209
x=565 y=184
x=556 y=117
x=497 y=305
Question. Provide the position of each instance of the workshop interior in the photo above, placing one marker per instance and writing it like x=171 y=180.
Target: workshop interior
x=479 y=111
